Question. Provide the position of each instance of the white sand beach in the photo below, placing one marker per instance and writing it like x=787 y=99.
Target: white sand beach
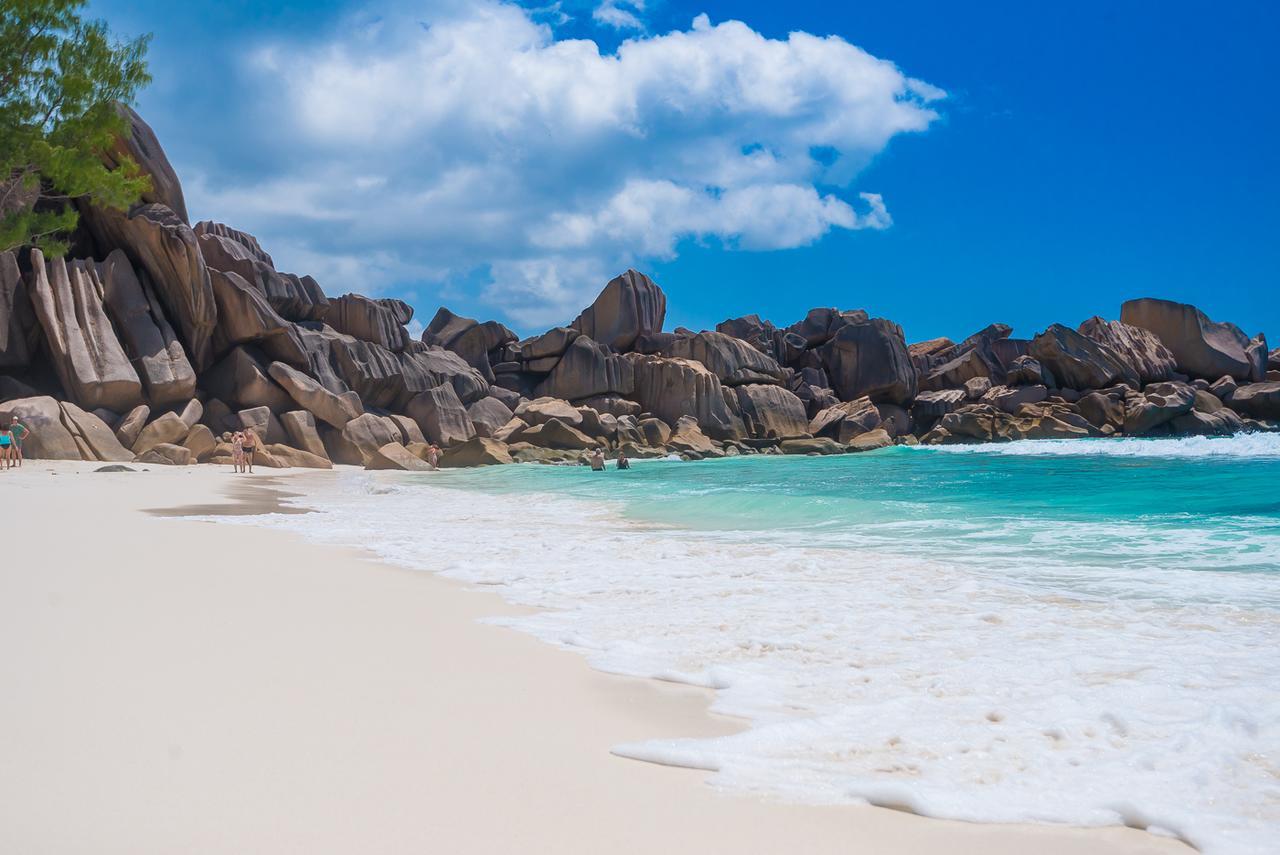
x=178 y=686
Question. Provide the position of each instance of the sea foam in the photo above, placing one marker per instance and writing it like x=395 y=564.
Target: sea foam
x=1030 y=689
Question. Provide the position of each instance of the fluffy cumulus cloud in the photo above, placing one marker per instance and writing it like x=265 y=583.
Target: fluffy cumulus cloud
x=466 y=145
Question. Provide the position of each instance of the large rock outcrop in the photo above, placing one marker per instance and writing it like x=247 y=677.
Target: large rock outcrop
x=630 y=306
x=140 y=145
x=587 y=369
x=1141 y=349
x=1079 y=362
x=158 y=241
x=671 y=388
x=335 y=410
x=870 y=359
x=157 y=354
x=15 y=353
x=771 y=411
x=441 y=415
x=1257 y=400
x=240 y=379
x=87 y=356
x=367 y=320
x=733 y=361
x=1201 y=347
x=295 y=298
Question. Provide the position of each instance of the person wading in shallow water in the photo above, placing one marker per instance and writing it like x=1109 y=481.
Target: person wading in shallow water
x=597 y=461
x=623 y=462
x=250 y=446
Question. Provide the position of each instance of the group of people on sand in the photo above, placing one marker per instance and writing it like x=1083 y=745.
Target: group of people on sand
x=11 y=436
x=597 y=461
x=243 y=445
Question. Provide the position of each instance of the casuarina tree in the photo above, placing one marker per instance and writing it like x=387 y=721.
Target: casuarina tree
x=60 y=78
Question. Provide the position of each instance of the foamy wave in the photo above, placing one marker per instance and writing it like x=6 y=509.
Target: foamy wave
x=872 y=676
x=1261 y=445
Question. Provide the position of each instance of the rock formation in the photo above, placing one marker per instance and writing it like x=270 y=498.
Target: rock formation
x=163 y=337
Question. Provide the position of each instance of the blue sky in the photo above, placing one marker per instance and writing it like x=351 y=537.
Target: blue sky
x=1015 y=162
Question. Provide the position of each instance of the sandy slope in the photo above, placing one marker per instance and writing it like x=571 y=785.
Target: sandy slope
x=177 y=686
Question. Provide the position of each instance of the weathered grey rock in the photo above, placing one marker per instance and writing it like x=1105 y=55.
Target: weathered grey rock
x=1103 y=408
x=86 y=354
x=165 y=454
x=688 y=437
x=976 y=387
x=217 y=415
x=263 y=422
x=476 y=342
x=332 y=409
x=338 y=448
x=191 y=413
x=1256 y=355
x=588 y=369
x=245 y=316
x=1158 y=403
x=1141 y=349
x=656 y=432
x=848 y=419
x=816 y=445
x=109 y=418
x=1079 y=362
x=370 y=432
x=49 y=438
x=956 y=372
x=300 y=427
x=445 y=327
x=630 y=306
x=426 y=369
x=540 y=410
x=1027 y=371
x=240 y=380
x=870 y=441
x=159 y=242
x=140 y=145
x=200 y=442
x=393 y=455
x=151 y=343
x=92 y=436
x=614 y=405
x=554 y=433
x=671 y=388
x=821 y=325
x=1257 y=400
x=14 y=304
x=1201 y=347
x=367 y=320
x=295 y=458
x=167 y=428
x=410 y=433
x=1224 y=422
x=870 y=359
x=132 y=424
x=733 y=361
x=506 y=396
x=441 y=415
x=771 y=411
x=488 y=415
x=749 y=328
x=551 y=343
x=931 y=406
x=294 y=298
x=479 y=451
x=504 y=433
x=1010 y=398
x=1224 y=388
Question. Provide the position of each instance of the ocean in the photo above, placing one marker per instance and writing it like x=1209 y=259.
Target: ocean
x=1081 y=632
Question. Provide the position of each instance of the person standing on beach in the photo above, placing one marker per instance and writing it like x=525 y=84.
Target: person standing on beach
x=250 y=445
x=433 y=456
x=19 y=432
x=6 y=447
x=237 y=452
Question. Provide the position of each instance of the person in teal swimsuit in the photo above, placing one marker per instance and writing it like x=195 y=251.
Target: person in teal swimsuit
x=6 y=447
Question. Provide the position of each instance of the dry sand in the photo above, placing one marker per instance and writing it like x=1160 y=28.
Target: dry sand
x=175 y=686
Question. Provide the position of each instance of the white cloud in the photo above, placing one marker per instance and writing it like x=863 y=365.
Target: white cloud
x=616 y=14
x=465 y=136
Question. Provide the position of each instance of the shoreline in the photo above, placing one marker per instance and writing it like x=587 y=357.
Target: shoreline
x=272 y=694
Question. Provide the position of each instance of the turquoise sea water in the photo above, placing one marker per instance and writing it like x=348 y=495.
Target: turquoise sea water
x=1084 y=632
x=1123 y=508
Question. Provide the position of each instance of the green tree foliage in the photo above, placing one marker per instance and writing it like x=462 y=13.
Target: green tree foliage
x=60 y=77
